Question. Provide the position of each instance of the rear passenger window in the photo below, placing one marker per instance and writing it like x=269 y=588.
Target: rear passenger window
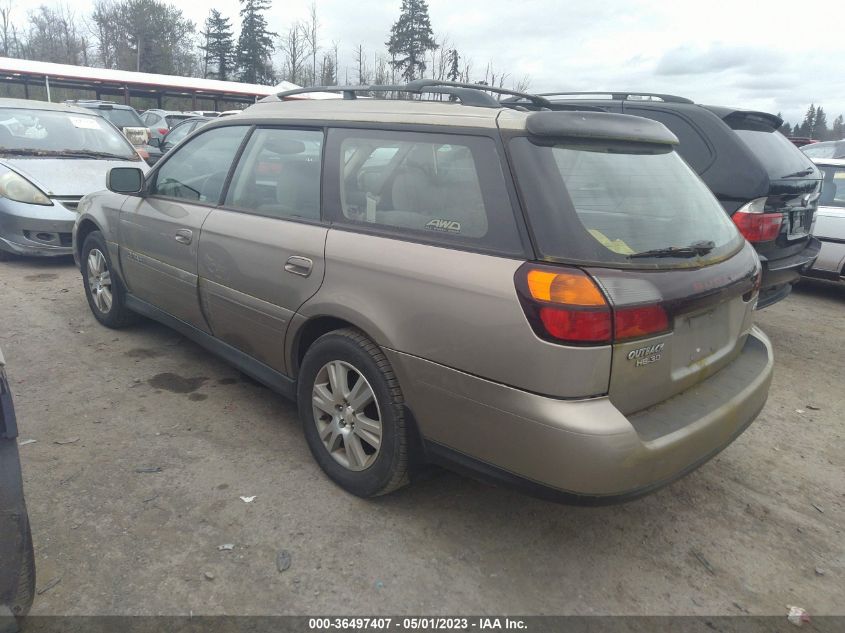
x=279 y=174
x=692 y=146
x=196 y=170
x=430 y=187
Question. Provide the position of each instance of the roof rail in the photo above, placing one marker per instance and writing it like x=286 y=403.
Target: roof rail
x=622 y=96
x=469 y=94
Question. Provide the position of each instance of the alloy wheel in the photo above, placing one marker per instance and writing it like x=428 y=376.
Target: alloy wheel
x=99 y=280
x=347 y=415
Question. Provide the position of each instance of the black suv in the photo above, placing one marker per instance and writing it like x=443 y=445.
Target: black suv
x=17 y=561
x=765 y=183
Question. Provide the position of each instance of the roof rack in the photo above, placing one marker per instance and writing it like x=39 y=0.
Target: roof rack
x=469 y=94
x=622 y=96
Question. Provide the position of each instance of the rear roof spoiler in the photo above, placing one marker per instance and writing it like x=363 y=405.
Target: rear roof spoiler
x=733 y=114
x=599 y=126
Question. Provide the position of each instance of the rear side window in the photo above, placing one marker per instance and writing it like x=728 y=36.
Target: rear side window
x=278 y=174
x=779 y=156
x=197 y=169
x=693 y=148
x=833 y=186
x=430 y=187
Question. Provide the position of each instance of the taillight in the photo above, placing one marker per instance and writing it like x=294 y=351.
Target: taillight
x=163 y=130
x=754 y=224
x=639 y=321
x=565 y=305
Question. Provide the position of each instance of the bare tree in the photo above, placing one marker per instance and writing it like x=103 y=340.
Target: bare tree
x=361 y=64
x=523 y=84
x=294 y=49
x=311 y=30
x=7 y=42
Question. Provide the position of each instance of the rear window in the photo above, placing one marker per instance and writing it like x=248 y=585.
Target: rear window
x=603 y=204
x=173 y=119
x=121 y=118
x=779 y=156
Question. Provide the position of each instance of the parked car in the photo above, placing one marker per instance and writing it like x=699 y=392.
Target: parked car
x=17 y=558
x=209 y=114
x=50 y=156
x=551 y=299
x=158 y=147
x=160 y=122
x=827 y=149
x=767 y=185
x=125 y=118
x=801 y=141
x=230 y=112
x=830 y=221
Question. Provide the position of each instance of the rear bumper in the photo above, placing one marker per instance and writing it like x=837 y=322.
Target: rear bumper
x=831 y=261
x=583 y=451
x=780 y=274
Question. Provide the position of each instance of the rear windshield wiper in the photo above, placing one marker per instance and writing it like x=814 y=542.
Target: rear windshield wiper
x=694 y=249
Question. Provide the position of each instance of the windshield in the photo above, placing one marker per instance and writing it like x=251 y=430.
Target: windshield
x=824 y=150
x=48 y=132
x=616 y=204
x=779 y=156
x=833 y=186
x=121 y=118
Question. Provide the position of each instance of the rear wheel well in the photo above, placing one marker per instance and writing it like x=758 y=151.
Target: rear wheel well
x=85 y=228
x=314 y=329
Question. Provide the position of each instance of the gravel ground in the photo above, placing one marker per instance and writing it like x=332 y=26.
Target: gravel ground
x=756 y=529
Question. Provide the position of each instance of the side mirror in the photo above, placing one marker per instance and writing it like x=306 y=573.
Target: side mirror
x=154 y=142
x=125 y=180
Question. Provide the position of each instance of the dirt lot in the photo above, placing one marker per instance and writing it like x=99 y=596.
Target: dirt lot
x=758 y=528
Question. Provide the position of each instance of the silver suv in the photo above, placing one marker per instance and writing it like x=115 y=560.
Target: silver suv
x=552 y=299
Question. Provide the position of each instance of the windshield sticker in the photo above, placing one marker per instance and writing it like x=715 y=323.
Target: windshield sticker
x=86 y=123
x=447 y=226
x=617 y=246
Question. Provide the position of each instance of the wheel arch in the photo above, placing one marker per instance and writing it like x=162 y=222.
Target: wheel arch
x=84 y=229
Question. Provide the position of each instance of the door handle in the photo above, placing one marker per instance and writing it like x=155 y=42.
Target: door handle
x=184 y=236
x=299 y=265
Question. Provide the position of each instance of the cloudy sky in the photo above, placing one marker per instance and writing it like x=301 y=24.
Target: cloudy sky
x=773 y=55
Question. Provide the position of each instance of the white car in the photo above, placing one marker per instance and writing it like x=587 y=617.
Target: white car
x=830 y=221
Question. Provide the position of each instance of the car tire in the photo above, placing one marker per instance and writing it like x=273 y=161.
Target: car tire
x=25 y=594
x=342 y=437
x=103 y=289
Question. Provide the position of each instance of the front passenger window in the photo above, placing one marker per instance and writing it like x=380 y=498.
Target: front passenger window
x=197 y=170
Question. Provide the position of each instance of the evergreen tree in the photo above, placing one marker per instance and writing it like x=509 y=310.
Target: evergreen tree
x=219 y=47
x=784 y=128
x=838 y=130
x=809 y=121
x=255 y=44
x=411 y=38
x=454 y=73
x=820 y=124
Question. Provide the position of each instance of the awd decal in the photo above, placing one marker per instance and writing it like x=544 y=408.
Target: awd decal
x=646 y=355
x=448 y=226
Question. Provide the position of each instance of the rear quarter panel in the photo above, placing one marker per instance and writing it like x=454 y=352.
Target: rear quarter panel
x=451 y=307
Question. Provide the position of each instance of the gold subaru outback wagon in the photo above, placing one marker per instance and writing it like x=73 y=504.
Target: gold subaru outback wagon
x=551 y=298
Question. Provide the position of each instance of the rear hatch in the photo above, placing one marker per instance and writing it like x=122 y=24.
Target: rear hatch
x=794 y=182
x=678 y=280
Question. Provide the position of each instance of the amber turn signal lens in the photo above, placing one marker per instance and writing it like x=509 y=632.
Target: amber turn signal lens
x=569 y=288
